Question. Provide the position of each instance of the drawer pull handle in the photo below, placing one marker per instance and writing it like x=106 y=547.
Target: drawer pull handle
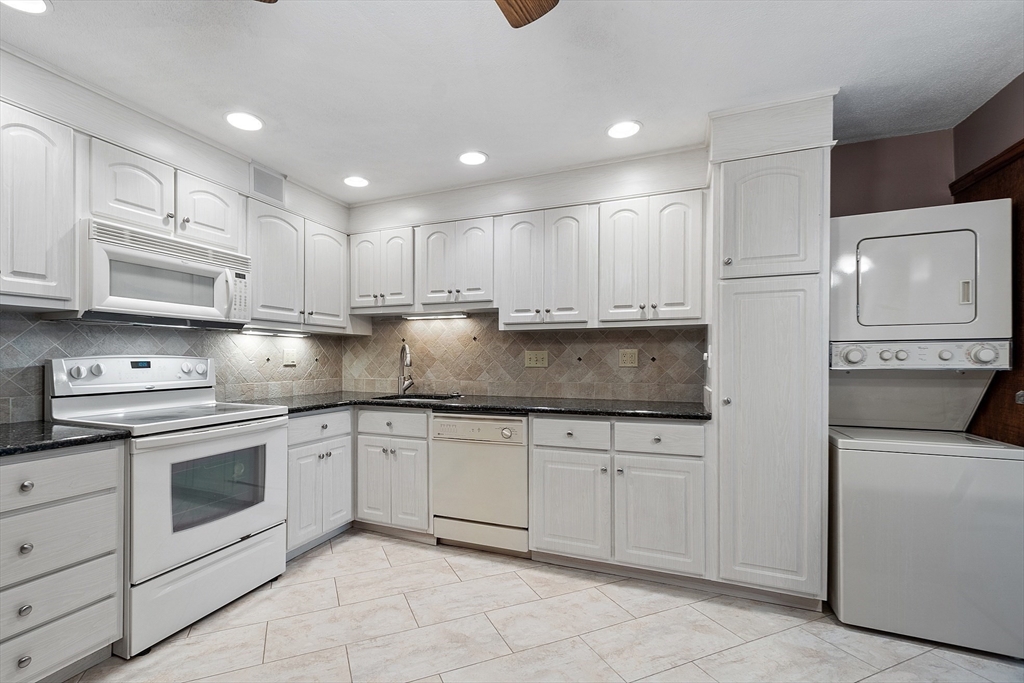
x=28 y=485
x=388 y=423
x=568 y=433
x=604 y=469
x=26 y=548
x=619 y=470
x=24 y=662
x=657 y=439
x=24 y=610
x=323 y=426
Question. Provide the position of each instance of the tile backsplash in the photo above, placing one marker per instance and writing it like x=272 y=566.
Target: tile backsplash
x=468 y=355
x=471 y=356
x=247 y=367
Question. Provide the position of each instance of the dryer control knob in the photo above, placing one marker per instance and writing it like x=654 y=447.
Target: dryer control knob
x=885 y=355
x=78 y=372
x=902 y=355
x=98 y=369
x=945 y=354
x=201 y=368
x=983 y=354
x=853 y=356
x=186 y=367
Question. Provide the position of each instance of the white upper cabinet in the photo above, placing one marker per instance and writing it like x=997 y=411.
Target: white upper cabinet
x=130 y=187
x=474 y=260
x=650 y=258
x=326 y=297
x=208 y=213
x=545 y=266
x=772 y=437
x=435 y=263
x=771 y=214
x=37 y=220
x=276 y=248
x=382 y=268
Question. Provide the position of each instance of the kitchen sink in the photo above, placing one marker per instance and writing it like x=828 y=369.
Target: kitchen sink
x=428 y=398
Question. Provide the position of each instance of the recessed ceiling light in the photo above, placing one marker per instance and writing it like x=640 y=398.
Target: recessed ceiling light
x=243 y=121
x=473 y=158
x=624 y=129
x=356 y=181
x=30 y=6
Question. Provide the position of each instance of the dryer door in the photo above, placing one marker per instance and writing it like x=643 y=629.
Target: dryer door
x=919 y=279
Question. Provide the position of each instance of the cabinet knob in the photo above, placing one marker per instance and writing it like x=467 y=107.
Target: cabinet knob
x=458 y=291
x=312 y=313
x=726 y=401
x=384 y=450
x=388 y=423
x=657 y=439
x=619 y=470
x=27 y=486
x=536 y=310
x=186 y=219
x=323 y=426
x=604 y=469
x=727 y=261
x=568 y=433
x=329 y=453
x=382 y=295
x=547 y=310
x=374 y=296
x=643 y=306
x=392 y=451
x=170 y=214
x=321 y=456
x=654 y=305
x=24 y=610
x=302 y=313
x=449 y=291
x=26 y=548
x=24 y=662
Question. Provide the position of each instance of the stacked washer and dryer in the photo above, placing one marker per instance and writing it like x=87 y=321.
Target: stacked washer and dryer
x=926 y=521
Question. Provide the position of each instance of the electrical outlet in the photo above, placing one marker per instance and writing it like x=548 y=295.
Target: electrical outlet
x=291 y=357
x=536 y=359
x=628 y=358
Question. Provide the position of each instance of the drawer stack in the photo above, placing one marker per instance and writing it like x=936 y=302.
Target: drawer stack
x=60 y=558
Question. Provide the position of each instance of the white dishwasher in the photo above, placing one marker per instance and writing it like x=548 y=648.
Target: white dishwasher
x=481 y=480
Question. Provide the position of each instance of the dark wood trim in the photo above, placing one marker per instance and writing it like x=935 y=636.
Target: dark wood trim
x=1004 y=158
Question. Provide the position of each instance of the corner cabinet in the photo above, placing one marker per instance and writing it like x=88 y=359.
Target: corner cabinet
x=298 y=269
x=455 y=262
x=382 y=268
x=771 y=214
x=772 y=432
x=650 y=258
x=545 y=268
x=38 y=256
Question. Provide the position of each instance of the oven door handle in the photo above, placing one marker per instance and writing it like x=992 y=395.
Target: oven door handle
x=191 y=436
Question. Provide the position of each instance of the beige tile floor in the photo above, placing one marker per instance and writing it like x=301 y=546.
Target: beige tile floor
x=368 y=607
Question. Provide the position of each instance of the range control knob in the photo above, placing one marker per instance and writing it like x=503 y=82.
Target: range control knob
x=885 y=355
x=201 y=368
x=98 y=369
x=982 y=353
x=902 y=355
x=186 y=367
x=506 y=433
x=78 y=372
x=945 y=354
x=853 y=355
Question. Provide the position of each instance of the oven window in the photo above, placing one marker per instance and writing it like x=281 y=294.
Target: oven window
x=211 y=488
x=149 y=283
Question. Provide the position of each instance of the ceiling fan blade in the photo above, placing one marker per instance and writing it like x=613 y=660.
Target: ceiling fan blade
x=519 y=13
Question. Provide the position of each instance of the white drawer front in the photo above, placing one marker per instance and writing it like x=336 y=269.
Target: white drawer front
x=56 y=645
x=49 y=479
x=393 y=423
x=59 y=536
x=319 y=427
x=595 y=435
x=30 y=604
x=660 y=437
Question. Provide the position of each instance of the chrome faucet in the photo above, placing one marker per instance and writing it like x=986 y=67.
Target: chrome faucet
x=404 y=361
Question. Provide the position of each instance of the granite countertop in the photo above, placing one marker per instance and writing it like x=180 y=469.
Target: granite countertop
x=28 y=437
x=515 y=405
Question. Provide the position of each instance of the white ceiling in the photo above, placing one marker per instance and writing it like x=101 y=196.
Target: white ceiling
x=395 y=91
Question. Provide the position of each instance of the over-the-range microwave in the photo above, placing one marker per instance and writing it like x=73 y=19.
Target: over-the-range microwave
x=131 y=275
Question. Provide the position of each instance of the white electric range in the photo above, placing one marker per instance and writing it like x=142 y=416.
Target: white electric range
x=206 y=483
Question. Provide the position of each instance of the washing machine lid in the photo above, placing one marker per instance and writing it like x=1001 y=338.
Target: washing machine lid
x=922 y=442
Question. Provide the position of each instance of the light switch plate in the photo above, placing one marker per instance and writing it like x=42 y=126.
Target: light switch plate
x=536 y=359
x=291 y=357
x=628 y=358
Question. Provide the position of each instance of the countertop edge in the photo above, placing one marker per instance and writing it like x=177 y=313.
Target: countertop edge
x=66 y=442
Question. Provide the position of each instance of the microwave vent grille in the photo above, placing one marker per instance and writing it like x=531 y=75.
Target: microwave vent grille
x=144 y=241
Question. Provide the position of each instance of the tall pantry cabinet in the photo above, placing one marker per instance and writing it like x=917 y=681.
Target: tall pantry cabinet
x=769 y=346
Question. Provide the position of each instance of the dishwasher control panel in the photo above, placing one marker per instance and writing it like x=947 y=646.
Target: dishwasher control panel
x=511 y=431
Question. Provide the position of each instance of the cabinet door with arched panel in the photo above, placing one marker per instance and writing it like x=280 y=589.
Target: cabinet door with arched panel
x=130 y=187
x=207 y=213
x=276 y=247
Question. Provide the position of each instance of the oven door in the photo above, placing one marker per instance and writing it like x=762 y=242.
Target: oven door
x=133 y=282
x=196 y=491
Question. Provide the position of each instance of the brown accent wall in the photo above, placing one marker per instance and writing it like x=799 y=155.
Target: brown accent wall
x=471 y=356
x=247 y=366
x=904 y=172
x=994 y=127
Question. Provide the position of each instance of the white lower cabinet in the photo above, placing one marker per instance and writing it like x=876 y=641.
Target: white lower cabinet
x=391 y=482
x=319 y=485
x=638 y=509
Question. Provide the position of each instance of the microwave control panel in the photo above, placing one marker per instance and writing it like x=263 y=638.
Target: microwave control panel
x=938 y=355
x=240 y=302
